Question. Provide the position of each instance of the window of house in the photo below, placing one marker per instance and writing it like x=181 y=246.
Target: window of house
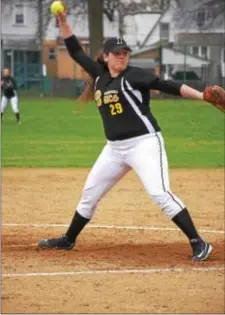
x=19 y=14
x=51 y=53
x=195 y=50
x=33 y=57
x=164 y=30
x=19 y=56
x=200 y=51
x=203 y=16
x=205 y=52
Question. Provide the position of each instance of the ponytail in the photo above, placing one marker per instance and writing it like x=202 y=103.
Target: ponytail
x=88 y=93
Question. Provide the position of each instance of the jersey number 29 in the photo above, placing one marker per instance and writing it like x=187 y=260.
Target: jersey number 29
x=116 y=109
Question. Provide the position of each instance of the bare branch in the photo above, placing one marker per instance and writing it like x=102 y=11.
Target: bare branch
x=187 y=15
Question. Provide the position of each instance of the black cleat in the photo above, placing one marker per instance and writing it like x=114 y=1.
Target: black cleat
x=201 y=249
x=57 y=243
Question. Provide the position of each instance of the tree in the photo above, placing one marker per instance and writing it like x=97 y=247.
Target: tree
x=95 y=19
x=119 y=9
x=112 y=9
x=189 y=12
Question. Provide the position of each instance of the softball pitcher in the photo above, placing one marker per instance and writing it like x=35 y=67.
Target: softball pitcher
x=9 y=93
x=134 y=139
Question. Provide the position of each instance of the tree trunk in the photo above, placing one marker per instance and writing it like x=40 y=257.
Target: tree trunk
x=95 y=19
x=40 y=25
x=121 y=19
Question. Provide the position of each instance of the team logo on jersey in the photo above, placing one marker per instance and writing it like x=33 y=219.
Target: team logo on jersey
x=98 y=97
x=111 y=98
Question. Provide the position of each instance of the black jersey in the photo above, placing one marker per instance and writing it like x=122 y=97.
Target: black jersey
x=123 y=101
x=9 y=86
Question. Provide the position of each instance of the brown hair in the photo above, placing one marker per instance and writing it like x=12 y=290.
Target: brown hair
x=88 y=93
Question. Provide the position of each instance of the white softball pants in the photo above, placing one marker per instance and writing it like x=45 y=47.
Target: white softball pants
x=146 y=155
x=13 y=101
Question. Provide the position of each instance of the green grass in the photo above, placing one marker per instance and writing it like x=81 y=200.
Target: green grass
x=54 y=134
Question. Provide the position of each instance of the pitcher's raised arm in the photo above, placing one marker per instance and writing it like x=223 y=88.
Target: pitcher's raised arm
x=75 y=50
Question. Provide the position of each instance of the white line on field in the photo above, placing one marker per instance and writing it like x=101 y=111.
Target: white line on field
x=99 y=226
x=21 y=245
x=113 y=271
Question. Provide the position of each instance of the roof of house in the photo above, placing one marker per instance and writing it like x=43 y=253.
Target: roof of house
x=145 y=50
x=146 y=63
x=172 y=56
x=175 y=56
x=153 y=29
x=139 y=26
x=188 y=7
x=21 y=44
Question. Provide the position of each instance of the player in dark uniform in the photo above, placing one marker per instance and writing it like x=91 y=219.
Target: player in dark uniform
x=9 y=93
x=134 y=139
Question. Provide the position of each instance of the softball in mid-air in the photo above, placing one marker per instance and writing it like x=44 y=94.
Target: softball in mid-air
x=57 y=7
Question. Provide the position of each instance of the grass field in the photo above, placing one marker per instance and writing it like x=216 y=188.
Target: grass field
x=54 y=134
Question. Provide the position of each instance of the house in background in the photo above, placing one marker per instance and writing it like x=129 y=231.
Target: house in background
x=58 y=62
x=159 y=41
x=166 y=59
x=55 y=56
x=190 y=31
x=203 y=34
x=23 y=51
x=20 y=49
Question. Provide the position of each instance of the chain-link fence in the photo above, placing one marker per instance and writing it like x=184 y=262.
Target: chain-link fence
x=196 y=66
x=54 y=87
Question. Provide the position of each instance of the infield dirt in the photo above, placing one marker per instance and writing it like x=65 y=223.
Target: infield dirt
x=49 y=196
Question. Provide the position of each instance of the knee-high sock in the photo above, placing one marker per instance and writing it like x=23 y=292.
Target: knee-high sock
x=76 y=226
x=184 y=221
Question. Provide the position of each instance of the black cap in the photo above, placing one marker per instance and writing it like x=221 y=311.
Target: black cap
x=114 y=44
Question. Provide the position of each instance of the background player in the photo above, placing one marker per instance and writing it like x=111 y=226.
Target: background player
x=9 y=93
x=134 y=139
